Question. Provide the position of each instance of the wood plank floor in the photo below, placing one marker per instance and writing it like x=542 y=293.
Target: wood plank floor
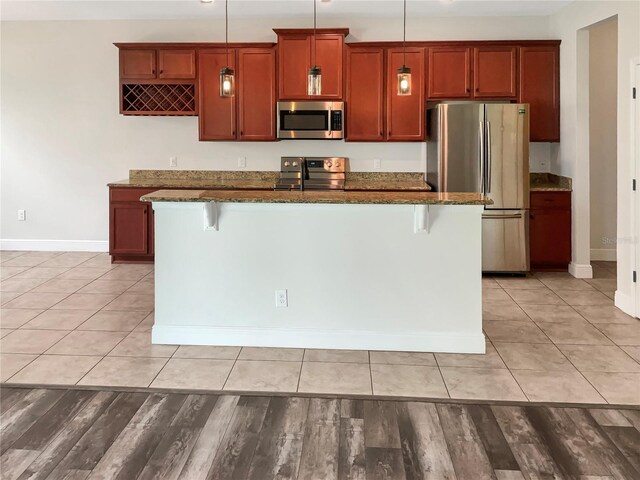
x=82 y=434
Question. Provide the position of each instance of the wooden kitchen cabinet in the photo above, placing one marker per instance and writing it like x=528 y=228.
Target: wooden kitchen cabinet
x=256 y=92
x=217 y=115
x=130 y=225
x=495 y=72
x=365 y=82
x=550 y=231
x=138 y=63
x=177 y=63
x=540 y=88
x=296 y=48
x=248 y=115
x=405 y=113
x=449 y=72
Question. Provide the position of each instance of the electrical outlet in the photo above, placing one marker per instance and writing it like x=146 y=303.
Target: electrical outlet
x=173 y=161
x=242 y=162
x=281 y=298
x=376 y=164
x=22 y=215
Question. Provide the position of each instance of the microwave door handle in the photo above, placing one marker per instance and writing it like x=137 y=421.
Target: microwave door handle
x=329 y=121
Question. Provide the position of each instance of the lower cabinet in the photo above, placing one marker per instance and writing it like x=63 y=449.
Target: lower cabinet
x=130 y=225
x=550 y=231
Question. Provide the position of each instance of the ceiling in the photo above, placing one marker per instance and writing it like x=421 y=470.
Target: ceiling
x=190 y=9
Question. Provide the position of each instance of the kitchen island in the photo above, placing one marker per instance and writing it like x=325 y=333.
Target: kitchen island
x=348 y=269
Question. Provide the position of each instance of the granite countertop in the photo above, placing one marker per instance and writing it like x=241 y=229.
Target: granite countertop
x=261 y=180
x=549 y=182
x=332 y=197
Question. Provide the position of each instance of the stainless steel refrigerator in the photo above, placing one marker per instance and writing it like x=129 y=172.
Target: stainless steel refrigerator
x=484 y=147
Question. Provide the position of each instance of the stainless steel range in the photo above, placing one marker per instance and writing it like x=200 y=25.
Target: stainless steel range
x=312 y=173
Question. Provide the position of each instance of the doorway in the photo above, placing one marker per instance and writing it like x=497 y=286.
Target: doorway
x=603 y=98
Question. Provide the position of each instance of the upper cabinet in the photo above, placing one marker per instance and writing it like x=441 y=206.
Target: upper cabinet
x=375 y=111
x=449 y=72
x=365 y=94
x=540 y=88
x=297 y=50
x=148 y=63
x=177 y=63
x=250 y=113
x=406 y=113
x=459 y=72
x=494 y=72
x=138 y=63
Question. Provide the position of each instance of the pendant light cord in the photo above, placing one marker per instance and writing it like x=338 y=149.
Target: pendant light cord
x=314 y=33
x=226 y=28
x=404 y=34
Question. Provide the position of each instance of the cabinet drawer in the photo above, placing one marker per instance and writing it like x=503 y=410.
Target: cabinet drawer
x=128 y=194
x=560 y=200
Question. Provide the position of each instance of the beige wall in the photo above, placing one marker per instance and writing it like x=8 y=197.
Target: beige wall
x=571 y=25
x=603 y=92
x=63 y=139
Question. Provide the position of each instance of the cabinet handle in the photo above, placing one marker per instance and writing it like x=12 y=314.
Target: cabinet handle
x=468 y=90
x=381 y=133
x=241 y=133
x=153 y=71
x=161 y=71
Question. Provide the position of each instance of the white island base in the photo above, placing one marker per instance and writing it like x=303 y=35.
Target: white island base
x=358 y=276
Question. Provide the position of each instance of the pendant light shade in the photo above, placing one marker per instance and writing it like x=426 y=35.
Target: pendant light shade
x=314 y=81
x=404 y=72
x=314 y=77
x=227 y=82
x=227 y=75
x=404 y=80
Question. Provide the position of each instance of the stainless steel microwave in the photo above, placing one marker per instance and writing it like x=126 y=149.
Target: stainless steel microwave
x=311 y=120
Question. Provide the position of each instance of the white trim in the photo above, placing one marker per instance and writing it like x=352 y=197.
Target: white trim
x=580 y=271
x=631 y=303
x=624 y=303
x=318 y=338
x=56 y=245
x=604 y=254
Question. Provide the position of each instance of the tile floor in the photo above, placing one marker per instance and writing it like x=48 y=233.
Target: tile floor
x=74 y=318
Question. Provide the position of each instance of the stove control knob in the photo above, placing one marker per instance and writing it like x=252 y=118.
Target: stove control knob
x=294 y=164
x=286 y=164
x=328 y=164
x=337 y=164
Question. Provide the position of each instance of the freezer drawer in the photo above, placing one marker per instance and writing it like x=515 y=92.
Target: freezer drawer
x=505 y=241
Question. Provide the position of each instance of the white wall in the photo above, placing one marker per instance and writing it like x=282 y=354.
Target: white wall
x=63 y=139
x=603 y=94
x=572 y=155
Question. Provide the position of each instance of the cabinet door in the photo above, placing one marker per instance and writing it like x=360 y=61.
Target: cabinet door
x=129 y=228
x=365 y=94
x=449 y=72
x=406 y=113
x=257 y=93
x=540 y=88
x=176 y=64
x=138 y=63
x=294 y=53
x=216 y=115
x=494 y=72
x=329 y=57
x=550 y=238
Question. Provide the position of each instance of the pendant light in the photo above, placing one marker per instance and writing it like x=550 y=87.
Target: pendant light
x=314 y=79
x=227 y=75
x=404 y=72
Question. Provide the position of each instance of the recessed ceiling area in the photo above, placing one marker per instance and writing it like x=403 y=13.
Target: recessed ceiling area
x=16 y=10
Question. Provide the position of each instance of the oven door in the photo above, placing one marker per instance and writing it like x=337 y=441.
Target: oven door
x=306 y=120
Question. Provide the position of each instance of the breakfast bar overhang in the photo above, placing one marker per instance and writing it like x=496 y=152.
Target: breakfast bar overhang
x=394 y=271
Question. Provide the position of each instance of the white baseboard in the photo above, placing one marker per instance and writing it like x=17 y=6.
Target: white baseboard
x=316 y=338
x=56 y=245
x=603 y=254
x=625 y=303
x=580 y=271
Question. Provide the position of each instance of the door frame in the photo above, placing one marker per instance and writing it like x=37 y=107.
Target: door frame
x=635 y=161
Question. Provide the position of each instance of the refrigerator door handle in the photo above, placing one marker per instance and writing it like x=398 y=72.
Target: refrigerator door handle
x=489 y=157
x=481 y=156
